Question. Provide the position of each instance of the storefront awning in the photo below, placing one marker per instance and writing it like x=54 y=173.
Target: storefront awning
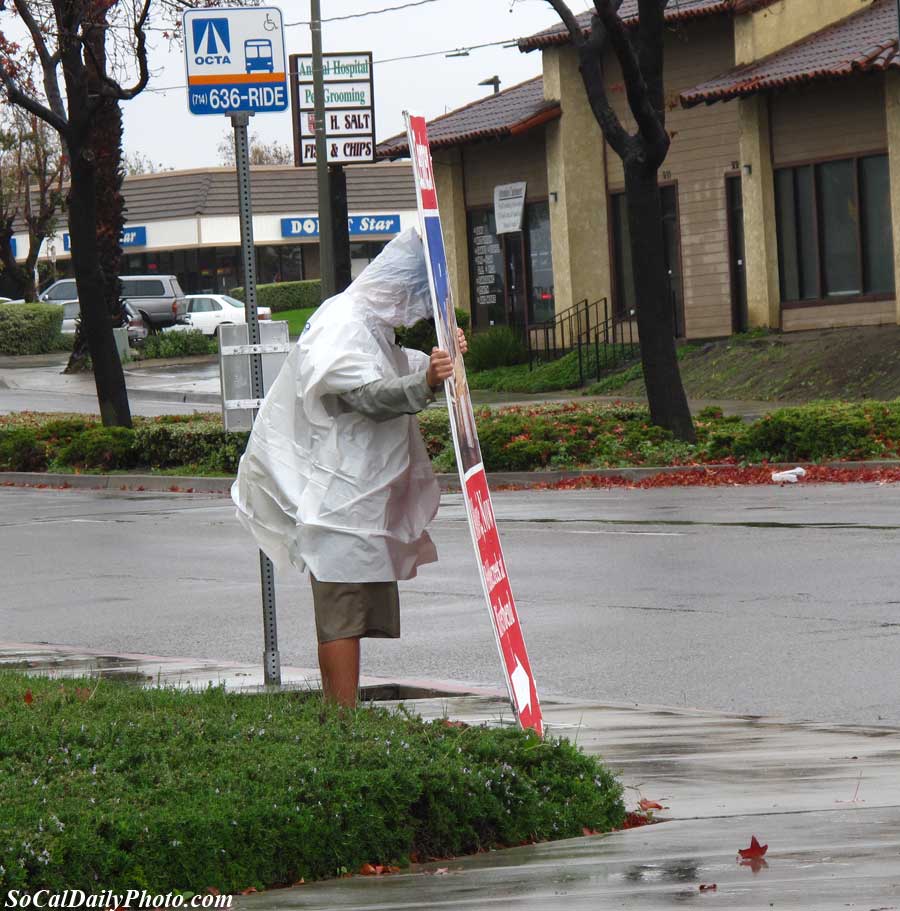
x=865 y=42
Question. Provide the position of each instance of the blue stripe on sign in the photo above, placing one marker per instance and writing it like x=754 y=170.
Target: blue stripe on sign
x=438 y=259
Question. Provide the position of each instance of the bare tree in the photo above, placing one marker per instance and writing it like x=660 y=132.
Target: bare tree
x=32 y=169
x=639 y=51
x=261 y=153
x=84 y=50
x=139 y=163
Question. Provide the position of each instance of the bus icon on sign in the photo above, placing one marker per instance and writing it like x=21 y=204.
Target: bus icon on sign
x=258 y=55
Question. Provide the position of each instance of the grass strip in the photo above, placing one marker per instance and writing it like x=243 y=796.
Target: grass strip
x=108 y=786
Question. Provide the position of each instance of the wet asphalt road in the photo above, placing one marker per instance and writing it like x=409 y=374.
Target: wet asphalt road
x=753 y=600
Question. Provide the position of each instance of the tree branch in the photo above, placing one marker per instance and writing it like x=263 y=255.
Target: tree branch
x=590 y=63
x=18 y=97
x=47 y=60
x=651 y=130
x=114 y=90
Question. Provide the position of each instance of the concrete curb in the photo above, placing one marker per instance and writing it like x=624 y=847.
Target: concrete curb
x=196 y=359
x=449 y=483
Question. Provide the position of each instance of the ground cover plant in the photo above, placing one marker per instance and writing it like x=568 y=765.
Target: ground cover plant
x=563 y=373
x=563 y=435
x=177 y=344
x=105 y=784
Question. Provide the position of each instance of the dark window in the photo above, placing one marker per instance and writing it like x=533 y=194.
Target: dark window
x=875 y=213
x=834 y=230
x=291 y=263
x=147 y=287
x=63 y=291
x=839 y=220
x=541 y=306
x=625 y=298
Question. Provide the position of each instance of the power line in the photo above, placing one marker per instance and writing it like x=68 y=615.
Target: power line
x=453 y=51
x=371 y=12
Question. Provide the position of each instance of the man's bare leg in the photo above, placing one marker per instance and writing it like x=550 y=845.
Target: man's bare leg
x=339 y=664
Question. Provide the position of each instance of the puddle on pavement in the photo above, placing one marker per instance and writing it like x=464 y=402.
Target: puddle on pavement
x=692 y=522
x=177 y=674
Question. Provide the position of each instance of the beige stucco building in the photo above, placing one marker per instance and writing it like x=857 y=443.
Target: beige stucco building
x=779 y=190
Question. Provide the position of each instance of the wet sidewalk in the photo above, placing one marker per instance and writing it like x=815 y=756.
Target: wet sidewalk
x=825 y=798
x=196 y=381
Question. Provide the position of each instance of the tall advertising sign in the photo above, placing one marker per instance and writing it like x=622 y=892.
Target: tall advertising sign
x=485 y=536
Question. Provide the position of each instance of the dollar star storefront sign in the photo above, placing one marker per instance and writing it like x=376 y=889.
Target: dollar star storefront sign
x=479 y=508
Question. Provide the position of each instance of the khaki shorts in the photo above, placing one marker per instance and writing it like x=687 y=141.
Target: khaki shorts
x=348 y=610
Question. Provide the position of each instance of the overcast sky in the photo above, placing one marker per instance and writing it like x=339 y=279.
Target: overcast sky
x=158 y=124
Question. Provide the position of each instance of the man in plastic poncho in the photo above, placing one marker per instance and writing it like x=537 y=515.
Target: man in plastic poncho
x=335 y=478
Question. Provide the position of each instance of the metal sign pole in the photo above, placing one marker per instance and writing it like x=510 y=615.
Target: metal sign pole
x=326 y=233
x=271 y=660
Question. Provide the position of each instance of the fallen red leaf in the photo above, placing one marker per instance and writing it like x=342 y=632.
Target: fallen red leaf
x=633 y=820
x=708 y=887
x=454 y=724
x=211 y=890
x=367 y=870
x=248 y=891
x=586 y=831
x=755 y=851
x=28 y=697
x=390 y=868
x=645 y=804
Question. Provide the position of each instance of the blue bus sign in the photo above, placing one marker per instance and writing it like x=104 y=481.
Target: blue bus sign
x=235 y=60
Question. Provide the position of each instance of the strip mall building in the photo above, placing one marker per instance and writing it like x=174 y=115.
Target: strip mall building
x=779 y=191
x=186 y=223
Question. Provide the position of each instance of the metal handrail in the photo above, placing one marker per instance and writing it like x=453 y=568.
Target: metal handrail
x=581 y=327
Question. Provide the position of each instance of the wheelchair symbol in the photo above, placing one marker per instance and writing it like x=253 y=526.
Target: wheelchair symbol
x=270 y=25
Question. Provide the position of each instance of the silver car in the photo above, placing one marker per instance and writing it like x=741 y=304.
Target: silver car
x=157 y=299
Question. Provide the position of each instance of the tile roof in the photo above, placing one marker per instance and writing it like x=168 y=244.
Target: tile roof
x=506 y=113
x=676 y=11
x=277 y=190
x=866 y=41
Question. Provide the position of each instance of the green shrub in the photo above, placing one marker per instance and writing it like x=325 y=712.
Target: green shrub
x=179 y=790
x=817 y=431
x=62 y=431
x=20 y=450
x=281 y=296
x=178 y=344
x=30 y=328
x=106 y=448
x=499 y=346
x=204 y=444
x=423 y=335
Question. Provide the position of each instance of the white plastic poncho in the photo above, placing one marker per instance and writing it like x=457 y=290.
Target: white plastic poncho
x=323 y=487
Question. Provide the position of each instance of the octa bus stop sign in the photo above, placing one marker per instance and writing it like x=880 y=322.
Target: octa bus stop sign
x=235 y=60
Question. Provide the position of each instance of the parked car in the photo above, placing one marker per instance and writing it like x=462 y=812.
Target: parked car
x=158 y=299
x=207 y=312
x=137 y=328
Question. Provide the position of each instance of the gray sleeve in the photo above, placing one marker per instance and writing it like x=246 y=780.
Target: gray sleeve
x=382 y=400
